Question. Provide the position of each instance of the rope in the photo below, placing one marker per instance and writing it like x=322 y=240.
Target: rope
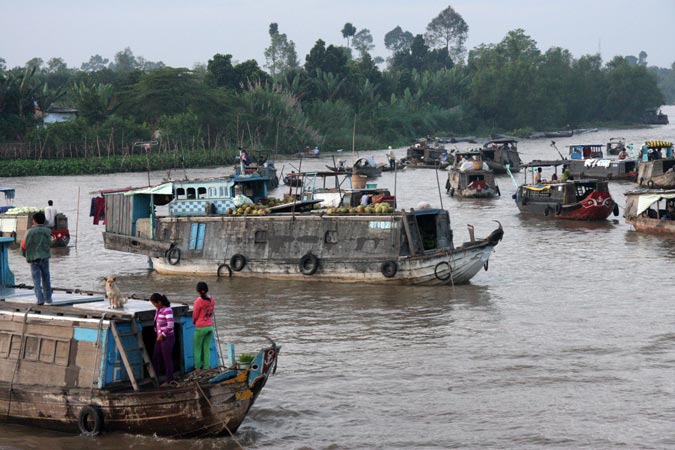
x=98 y=354
x=223 y=422
x=18 y=359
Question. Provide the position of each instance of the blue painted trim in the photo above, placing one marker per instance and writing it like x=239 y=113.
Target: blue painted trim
x=85 y=334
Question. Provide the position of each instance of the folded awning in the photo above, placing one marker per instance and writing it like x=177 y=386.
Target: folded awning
x=646 y=200
x=162 y=189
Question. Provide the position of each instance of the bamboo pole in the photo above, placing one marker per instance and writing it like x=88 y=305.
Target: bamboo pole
x=77 y=216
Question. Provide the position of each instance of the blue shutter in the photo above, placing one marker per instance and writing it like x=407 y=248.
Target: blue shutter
x=193 y=235
x=200 y=236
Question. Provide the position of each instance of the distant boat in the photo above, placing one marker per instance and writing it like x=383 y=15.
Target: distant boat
x=654 y=116
x=498 y=153
x=570 y=200
x=651 y=210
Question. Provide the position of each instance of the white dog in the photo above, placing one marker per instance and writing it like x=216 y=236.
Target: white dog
x=112 y=292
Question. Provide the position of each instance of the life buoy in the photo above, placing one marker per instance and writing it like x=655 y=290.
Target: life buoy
x=650 y=184
x=220 y=270
x=90 y=420
x=389 y=269
x=449 y=271
x=558 y=208
x=615 y=210
x=237 y=262
x=309 y=264
x=173 y=256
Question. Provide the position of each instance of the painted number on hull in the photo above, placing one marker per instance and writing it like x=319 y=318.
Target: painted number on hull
x=380 y=224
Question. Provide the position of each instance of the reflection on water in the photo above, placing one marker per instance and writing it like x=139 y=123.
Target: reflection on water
x=565 y=342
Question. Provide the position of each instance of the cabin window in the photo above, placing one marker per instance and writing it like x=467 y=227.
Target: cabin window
x=222 y=192
x=47 y=350
x=197 y=231
x=260 y=236
x=213 y=192
x=31 y=349
x=330 y=237
x=14 y=346
x=201 y=192
x=62 y=353
x=180 y=193
x=5 y=340
x=191 y=193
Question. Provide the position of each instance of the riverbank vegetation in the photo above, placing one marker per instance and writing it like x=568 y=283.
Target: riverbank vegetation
x=340 y=95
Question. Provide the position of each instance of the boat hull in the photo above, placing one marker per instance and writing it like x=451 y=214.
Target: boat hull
x=179 y=412
x=652 y=226
x=596 y=206
x=450 y=266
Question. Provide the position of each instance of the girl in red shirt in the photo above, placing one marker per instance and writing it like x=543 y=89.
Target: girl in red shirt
x=202 y=317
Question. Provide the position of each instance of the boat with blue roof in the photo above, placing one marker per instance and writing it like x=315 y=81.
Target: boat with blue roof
x=222 y=227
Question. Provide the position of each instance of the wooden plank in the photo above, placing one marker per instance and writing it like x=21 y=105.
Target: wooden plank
x=409 y=234
x=144 y=353
x=123 y=354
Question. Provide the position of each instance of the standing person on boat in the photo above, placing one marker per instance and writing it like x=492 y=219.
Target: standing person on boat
x=202 y=317
x=622 y=154
x=166 y=339
x=50 y=215
x=392 y=158
x=37 y=244
x=537 y=176
x=565 y=173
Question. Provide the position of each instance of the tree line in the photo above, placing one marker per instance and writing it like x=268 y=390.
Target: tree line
x=430 y=84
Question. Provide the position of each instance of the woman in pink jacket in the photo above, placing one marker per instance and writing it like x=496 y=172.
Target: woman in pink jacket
x=163 y=351
x=202 y=317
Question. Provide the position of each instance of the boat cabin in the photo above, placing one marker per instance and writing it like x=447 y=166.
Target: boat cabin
x=586 y=151
x=78 y=342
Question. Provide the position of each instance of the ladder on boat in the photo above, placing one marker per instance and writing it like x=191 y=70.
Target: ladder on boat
x=412 y=233
x=139 y=349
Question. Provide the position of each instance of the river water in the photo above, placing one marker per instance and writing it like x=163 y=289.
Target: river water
x=568 y=341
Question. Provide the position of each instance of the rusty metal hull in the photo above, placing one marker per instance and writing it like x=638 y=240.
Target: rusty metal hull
x=448 y=266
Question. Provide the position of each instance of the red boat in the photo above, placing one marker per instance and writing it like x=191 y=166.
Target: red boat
x=571 y=199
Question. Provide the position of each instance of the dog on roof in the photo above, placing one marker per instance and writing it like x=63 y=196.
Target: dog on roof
x=112 y=292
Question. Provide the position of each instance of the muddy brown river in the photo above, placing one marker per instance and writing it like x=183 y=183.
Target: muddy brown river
x=568 y=341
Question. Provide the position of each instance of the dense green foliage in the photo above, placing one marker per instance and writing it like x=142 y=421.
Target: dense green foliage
x=339 y=92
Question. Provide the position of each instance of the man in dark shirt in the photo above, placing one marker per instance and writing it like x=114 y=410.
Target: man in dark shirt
x=37 y=245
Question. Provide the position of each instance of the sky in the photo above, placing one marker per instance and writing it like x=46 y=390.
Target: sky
x=182 y=33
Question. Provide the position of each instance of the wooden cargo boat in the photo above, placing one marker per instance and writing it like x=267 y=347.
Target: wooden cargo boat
x=15 y=222
x=651 y=211
x=588 y=161
x=657 y=166
x=470 y=177
x=203 y=236
x=654 y=116
x=498 y=153
x=77 y=366
x=427 y=154
x=570 y=200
